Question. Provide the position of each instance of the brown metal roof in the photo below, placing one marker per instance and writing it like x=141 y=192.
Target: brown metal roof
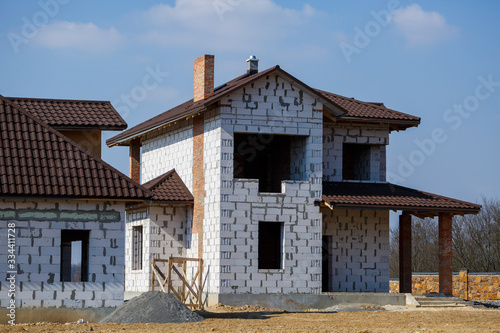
x=68 y=114
x=351 y=108
x=367 y=111
x=390 y=196
x=190 y=107
x=38 y=161
x=170 y=188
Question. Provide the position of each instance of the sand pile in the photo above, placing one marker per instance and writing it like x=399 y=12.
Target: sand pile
x=152 y=307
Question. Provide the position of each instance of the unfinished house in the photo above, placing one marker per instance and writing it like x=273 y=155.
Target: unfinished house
x=289 y=189
x=62 y=209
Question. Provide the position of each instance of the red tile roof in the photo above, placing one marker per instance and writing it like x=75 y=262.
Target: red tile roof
x=367 y=110
x=170 y=188
x=389 y=196
x=38 y=161
x=66 y=114
x=350 y=107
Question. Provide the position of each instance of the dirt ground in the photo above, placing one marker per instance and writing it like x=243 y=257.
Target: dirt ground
x=255 y=319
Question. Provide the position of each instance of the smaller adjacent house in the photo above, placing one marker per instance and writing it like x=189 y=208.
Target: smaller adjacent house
x=62 y=208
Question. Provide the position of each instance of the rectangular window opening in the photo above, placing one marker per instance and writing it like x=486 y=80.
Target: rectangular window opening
x=356 y=159
x=137 y=248
x=269 y=158
x=270 y=245
x=74 y=255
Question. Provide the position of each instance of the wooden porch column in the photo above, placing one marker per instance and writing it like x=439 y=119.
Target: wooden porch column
x=135 y=160
x=445 y=254
x=405 y=253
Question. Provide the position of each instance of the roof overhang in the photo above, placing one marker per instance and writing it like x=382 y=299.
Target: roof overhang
x=88 y=128
x=386 y=196
x=126 y=140
x=394 y=125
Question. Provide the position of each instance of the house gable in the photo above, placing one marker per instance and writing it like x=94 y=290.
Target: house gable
x=38 y=161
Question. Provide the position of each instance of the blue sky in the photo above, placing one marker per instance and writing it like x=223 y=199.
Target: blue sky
x=436 y=60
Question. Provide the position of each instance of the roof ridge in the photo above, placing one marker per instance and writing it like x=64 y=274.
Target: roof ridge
x=151 y=184
x=72 y=143
x=172 y=179
x=57 y=99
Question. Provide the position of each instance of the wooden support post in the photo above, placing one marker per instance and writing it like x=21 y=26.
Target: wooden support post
x=169 y=278
x=200 y=281
x=153 y=272
x=184 y=268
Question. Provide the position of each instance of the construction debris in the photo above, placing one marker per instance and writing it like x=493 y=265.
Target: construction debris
x=152 y=307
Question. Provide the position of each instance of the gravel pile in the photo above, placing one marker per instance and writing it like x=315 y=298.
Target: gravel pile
x=488 y=304
x=152 y=307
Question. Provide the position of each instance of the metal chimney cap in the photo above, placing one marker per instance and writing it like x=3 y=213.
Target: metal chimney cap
x=252 y=65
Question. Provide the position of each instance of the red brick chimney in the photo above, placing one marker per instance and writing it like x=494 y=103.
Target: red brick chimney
x=203 y=77
x=135 y=160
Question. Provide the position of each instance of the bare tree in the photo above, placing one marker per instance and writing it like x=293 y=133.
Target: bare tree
x=76 y=272
x=394 y=253
x=476 y=239
x=476 y=242
x=425 y=247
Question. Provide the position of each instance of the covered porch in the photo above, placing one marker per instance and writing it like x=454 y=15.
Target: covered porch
x=386 y=196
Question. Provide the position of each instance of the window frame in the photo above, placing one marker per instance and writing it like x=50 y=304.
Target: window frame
x=137 y=247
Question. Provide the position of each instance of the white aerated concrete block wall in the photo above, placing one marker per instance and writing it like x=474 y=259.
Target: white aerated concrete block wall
x=335 y=135
x=301 y=271
x=271 y=106
x=359 y=250
x=169 y=148
x=137 y=280
x=166 y=232
x=38 y=225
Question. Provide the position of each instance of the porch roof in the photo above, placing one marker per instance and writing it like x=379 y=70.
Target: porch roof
x=169 y=188
x=390 y=196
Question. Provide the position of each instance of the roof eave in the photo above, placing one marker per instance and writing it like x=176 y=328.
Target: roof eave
x=89 y=128
x=395 y=123
x=149 y=203
x=66 y=197
x=406 y=208
x=124 y=141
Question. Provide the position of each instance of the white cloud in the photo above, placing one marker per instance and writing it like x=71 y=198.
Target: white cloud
x=224 y=25
x=422 y=28
x=81 y=36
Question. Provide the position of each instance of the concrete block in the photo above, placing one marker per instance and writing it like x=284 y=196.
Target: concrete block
x=31 y=303
x=52 y=303
x=72 y=303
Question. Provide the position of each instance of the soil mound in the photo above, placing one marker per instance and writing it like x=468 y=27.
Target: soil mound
x=152 y=307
